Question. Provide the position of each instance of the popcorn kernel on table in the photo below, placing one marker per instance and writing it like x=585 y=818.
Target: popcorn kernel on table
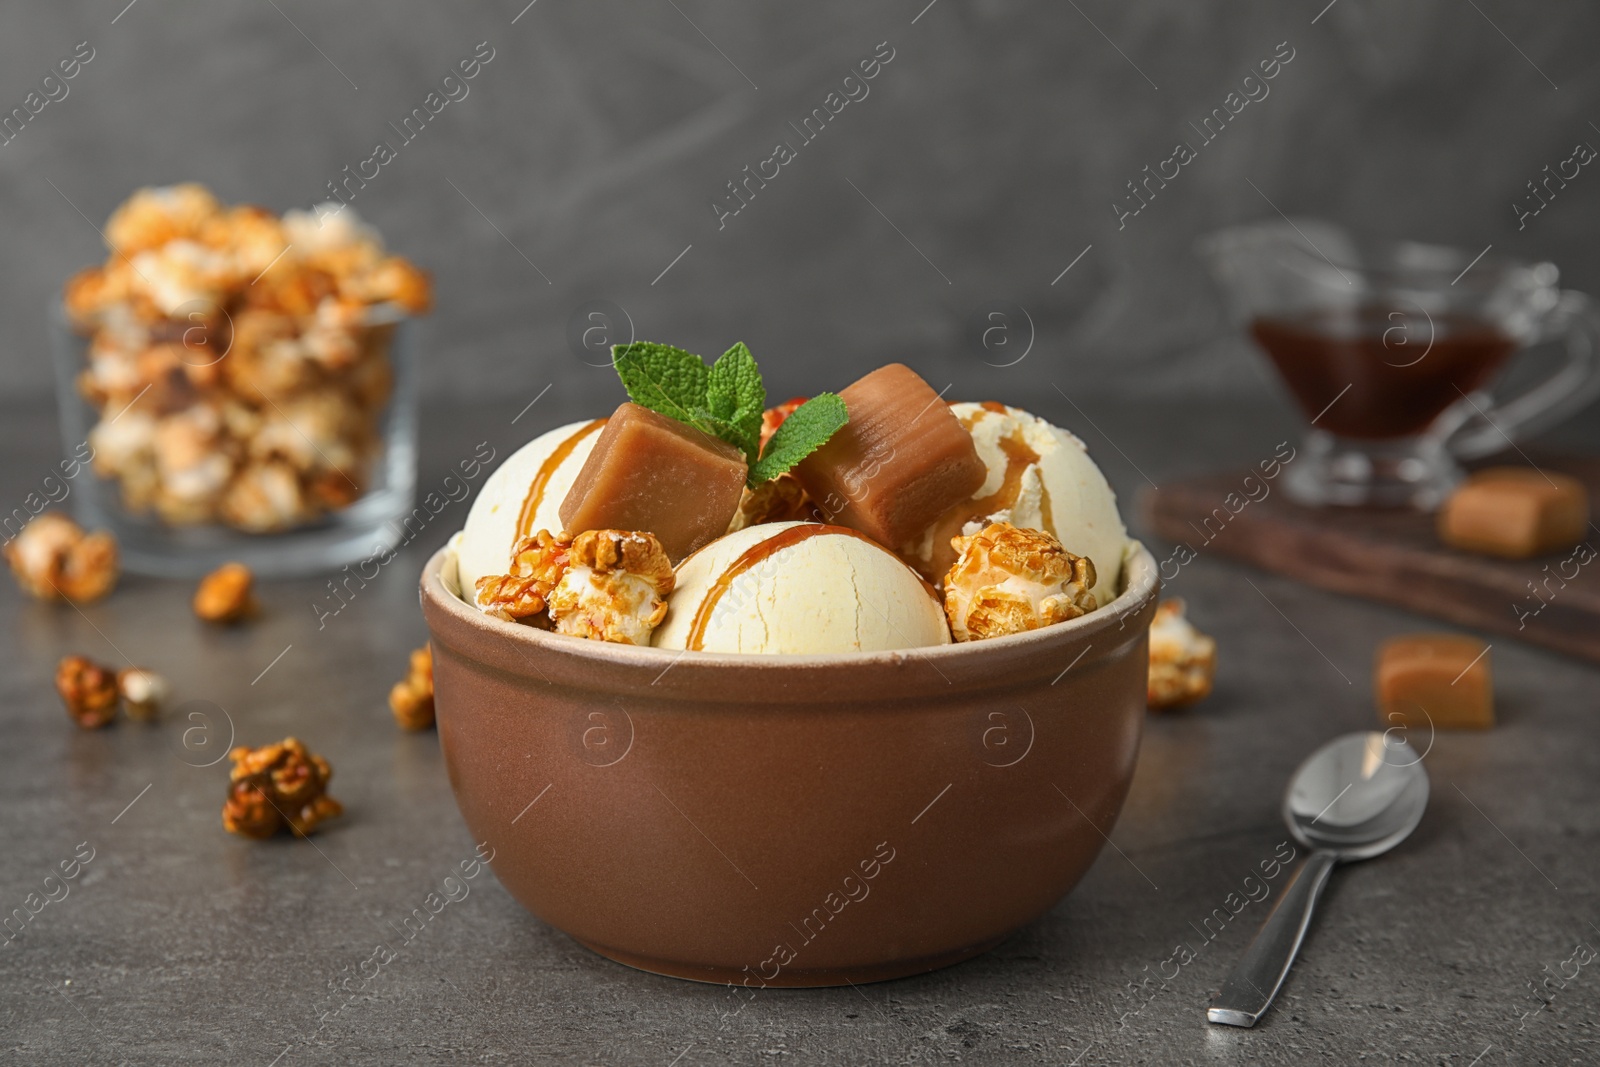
x=1183 y=661
x=88 y=690
x=411 y=698
x=53 y=559
x=653 y=473
x=276 y=787
x=1438 y=679
x=901 y=461
x=1515 y=512
x=143 y=692
x=227 y=594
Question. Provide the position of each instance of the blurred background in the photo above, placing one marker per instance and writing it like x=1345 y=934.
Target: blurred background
x=985 y=161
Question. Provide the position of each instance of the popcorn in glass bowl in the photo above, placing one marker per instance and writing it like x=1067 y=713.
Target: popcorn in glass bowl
x=238 y=374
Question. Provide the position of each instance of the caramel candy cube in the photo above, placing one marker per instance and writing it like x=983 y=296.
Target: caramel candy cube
x=653 y=473
x=1515 y=512
x=900 y=463
x=1434 y=680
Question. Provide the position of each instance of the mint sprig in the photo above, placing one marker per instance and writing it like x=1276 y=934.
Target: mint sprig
x=726 y=400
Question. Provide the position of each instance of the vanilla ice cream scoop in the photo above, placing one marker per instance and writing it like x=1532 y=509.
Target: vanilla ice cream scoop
x=799 y=588
x=1040 y=477
x=522 y=497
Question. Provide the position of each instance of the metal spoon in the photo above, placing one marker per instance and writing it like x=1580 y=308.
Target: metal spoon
x=1355 y=797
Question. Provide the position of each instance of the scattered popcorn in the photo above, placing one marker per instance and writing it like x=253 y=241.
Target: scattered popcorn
x=537 y=564
x=1008 y=580
x=224 y=338
x=88 y=690
x=54 y=559
x=277 y=787
x=411 y=699
x=1183 y=660
x=227 y=594
x=614 y=587
x=143 y=692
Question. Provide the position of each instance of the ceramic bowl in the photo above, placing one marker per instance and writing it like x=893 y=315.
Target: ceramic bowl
x=790 y=820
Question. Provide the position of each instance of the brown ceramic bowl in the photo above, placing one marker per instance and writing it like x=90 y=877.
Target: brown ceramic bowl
x=790 y=820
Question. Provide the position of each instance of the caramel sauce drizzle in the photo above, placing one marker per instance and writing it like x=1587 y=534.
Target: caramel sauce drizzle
x=541 y=480
x=752 y=557
x=1018 y=457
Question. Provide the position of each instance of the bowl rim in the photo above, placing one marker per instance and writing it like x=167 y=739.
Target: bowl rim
x=515 y=645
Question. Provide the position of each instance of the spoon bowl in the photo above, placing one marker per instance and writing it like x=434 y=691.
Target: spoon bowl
x=1358 y=796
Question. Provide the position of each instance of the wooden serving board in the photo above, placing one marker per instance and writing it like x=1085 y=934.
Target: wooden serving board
x=1394 y=557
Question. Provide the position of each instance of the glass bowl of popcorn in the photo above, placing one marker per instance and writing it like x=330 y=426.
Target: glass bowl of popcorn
x=241 y=386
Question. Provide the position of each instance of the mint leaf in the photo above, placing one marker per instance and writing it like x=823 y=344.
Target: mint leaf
x=801 y=434
x=664 y=379
x=735 y=398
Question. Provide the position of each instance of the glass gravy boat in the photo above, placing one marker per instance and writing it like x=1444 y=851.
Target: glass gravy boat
x=1392 y=350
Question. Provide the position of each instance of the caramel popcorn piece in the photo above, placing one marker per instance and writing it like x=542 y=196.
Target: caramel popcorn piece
x=401 y=282
x=248 y=812
x=614 y=587
x=253 y=235
x=411 y=699
x=153 y=216
x=181 y=276
x=263 y=498
x=54 y=559
x=227 y=594
x=276 y=787
x=780 y=499
x=88 y=690
x=1183 y=660
x=537 y=564
x=1008 y=580
x=192 y=465
x=143 y=692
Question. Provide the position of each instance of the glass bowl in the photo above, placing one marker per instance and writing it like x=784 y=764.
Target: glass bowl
x=369 y=525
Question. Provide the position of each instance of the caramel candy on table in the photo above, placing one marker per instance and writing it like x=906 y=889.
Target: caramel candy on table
x=900 y=463
x=1515 y=512
x=1434 y=680
x=653 y=473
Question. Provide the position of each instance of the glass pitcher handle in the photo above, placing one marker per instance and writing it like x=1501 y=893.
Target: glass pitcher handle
x=1490 y=429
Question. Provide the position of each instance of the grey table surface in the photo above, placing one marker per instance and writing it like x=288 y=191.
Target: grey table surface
x=179 y=943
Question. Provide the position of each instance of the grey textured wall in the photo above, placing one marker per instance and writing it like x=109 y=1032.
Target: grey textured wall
x=994 y=142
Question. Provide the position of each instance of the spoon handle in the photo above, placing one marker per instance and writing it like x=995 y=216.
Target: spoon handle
x=1249 y=990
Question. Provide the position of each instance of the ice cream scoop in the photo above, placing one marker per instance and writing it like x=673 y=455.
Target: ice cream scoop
x=799 y=588
x=1040 y=477
x=522 y=497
